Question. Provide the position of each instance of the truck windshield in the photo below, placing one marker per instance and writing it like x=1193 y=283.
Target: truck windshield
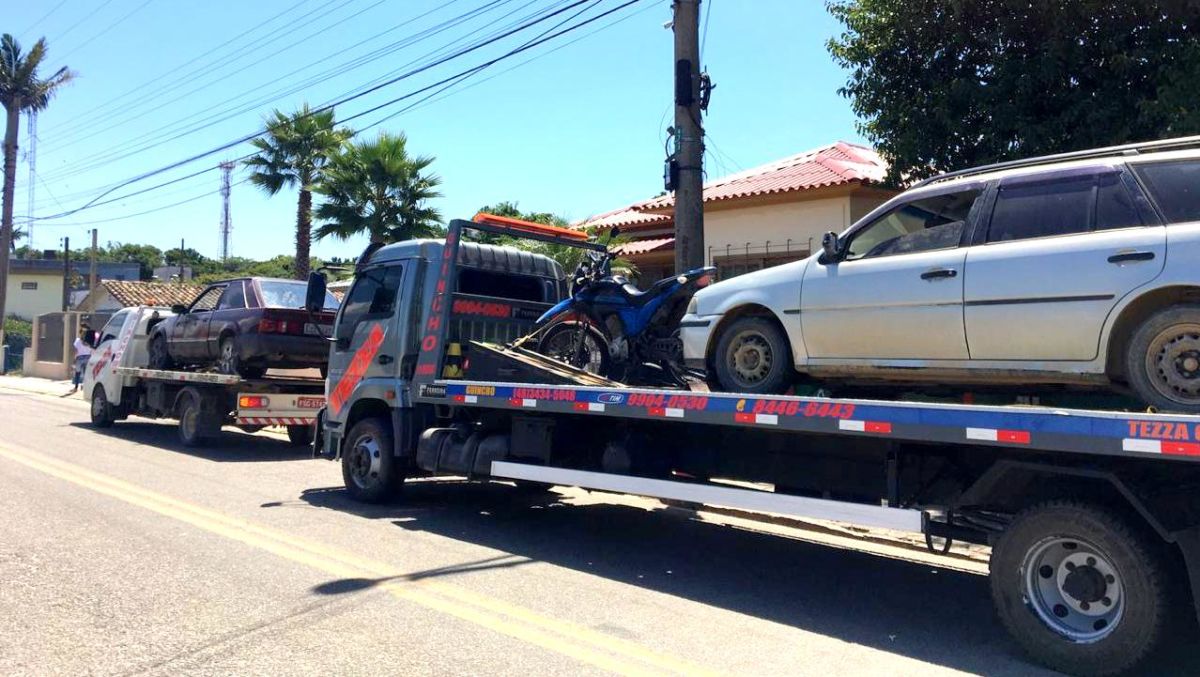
x=281 y=294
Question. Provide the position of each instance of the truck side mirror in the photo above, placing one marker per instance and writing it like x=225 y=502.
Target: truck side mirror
x=314 y=296
x=830 y=249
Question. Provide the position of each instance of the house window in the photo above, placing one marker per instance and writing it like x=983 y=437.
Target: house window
x=32 y=286
x=740 y=264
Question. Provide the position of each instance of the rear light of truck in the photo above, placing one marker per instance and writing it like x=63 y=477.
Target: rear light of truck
x=253 y=402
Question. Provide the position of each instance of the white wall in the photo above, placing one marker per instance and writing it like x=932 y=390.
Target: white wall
x=29 y=303
x=796 y=220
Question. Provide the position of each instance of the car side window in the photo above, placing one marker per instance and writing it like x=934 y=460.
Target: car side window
x=373 y=295
x=1063 y=206
x=925 y=224
x=1174 y=186
x=233 y=298
x=207 y=300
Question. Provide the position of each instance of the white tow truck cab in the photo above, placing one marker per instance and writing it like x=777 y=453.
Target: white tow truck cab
x=118 y=384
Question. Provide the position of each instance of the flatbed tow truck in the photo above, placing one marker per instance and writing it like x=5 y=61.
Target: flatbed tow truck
x=1093 y=516
x=118 y=384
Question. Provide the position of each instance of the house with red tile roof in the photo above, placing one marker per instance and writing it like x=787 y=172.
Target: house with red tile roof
x=112 y=295
x=760 y=217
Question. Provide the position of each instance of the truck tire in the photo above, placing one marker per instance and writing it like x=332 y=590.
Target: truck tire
x=1163 y=359
x=197 y=423
x=300 y=435
x=1080 y=588
x=752 y=356
x=369 y=468
x=102 y=410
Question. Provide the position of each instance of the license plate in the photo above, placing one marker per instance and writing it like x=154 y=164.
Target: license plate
x=311 y=329
x=310 y=402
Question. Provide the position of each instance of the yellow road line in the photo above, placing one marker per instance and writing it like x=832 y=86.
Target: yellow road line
x=430 y=594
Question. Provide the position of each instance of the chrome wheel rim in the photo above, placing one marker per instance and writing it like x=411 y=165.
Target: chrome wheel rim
x=1074 y=588
x=225 y=364
x=561 y=347
x=1173 y=363
x=364 y=461
x=750 y=357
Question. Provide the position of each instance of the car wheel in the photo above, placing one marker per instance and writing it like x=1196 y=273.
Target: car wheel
x=102 y=410
x=752 y=356
x=229 y=360
x=1163 y=360
x=1080 y=588
x=160 y=358
x=369 y=468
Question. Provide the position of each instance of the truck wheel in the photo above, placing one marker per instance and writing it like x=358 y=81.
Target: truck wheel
x=1163 y=359
x=196 y=425
x=300 y=435
x=159 y=357
x=1079 y=588
x=369 y=468
x=752 y=356
x=102 y=410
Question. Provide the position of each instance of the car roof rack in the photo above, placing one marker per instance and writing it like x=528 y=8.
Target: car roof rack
x=1110 y=151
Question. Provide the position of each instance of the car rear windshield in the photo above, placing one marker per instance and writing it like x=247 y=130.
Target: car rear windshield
x=1175 y=187
x=280 y=294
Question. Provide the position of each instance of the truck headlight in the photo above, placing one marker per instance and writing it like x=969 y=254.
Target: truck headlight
x=691 y=309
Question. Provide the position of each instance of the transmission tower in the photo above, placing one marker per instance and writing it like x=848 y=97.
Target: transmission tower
x=31 y=159
x=226 y=220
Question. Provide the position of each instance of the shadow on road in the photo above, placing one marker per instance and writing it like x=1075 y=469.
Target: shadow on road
x=916 y=610
x=230 y=446
x=345 y=585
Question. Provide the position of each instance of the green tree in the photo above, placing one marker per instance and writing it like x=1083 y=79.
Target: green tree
x=375 y=187
x=22 y=89
x=294 y=152
x=148 y=257
x=942 y=85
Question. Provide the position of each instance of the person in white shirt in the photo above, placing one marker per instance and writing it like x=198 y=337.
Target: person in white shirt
x=83 y=352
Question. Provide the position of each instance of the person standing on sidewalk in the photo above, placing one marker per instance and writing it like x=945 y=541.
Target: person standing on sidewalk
x=83 y=352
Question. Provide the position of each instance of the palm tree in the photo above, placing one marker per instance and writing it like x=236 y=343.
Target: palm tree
x=294 y=152
x=375 y=187
x=21 y=90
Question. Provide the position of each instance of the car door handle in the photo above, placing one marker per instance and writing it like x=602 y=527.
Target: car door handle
x=938 y=274
x=385 y=359
x=1127 y=257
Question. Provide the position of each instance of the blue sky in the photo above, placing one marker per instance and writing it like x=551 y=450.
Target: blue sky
x=575 y=131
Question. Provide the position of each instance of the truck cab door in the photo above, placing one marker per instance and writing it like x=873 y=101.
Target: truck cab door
x=368 y=332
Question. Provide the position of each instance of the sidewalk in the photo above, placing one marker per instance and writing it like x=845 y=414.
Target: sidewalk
x=40 y=386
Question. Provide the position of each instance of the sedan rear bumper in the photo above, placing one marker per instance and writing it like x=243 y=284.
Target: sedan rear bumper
x=284 y=350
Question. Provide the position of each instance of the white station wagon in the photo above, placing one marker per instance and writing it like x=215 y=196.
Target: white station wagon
x=1076 y=269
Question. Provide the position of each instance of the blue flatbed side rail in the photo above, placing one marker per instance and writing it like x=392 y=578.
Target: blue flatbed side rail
x=1083 y=431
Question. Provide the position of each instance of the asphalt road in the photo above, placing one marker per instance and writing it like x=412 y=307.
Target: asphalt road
x=123 y=553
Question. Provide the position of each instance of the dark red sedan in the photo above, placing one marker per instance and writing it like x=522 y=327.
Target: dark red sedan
x=245 y=326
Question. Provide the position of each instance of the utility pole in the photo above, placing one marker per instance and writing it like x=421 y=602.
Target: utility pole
x=226 y=220
x=66 y=273
x=181 y=260
x=689 y=189
x=31 y=159
x=92 y=274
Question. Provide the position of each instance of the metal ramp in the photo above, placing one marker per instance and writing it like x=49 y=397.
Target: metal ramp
x=513 y=364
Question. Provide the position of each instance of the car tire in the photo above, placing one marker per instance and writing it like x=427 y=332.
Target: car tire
x=229 y=360
x=103 y=413
x=369 y=467
x=1162 y=362
x=160 y=356
x=1080 y=588
x=752 y=356
x=300 y=435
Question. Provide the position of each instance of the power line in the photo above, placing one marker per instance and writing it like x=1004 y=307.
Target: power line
x=704 y=33
x=43 y=17
x=106 y=29
x=107 y=156
x=89 y=15
x=95 y=201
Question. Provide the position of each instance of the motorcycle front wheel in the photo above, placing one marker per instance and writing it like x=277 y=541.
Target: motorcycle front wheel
x=561 y=342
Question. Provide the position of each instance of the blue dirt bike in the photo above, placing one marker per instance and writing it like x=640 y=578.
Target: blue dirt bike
x=611 y=328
